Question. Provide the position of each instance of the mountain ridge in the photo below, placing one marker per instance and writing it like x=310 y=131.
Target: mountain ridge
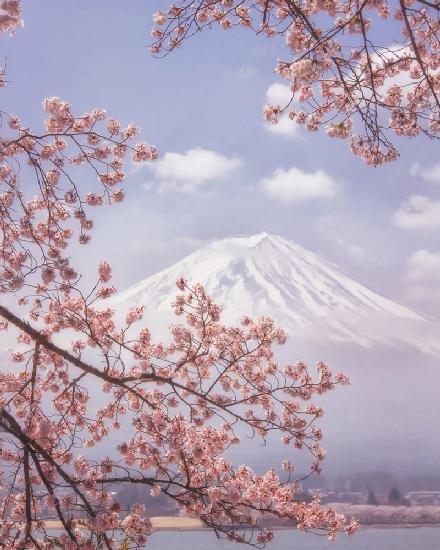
x=269 y=275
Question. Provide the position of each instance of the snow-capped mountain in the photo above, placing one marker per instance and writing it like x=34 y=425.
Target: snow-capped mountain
x=308 y=296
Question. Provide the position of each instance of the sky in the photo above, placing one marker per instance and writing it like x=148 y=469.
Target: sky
x=223 y=171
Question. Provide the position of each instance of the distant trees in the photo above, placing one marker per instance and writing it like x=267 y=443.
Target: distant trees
x=372 y=499
x=391 y=515
x=394 y=497
x=377 y=481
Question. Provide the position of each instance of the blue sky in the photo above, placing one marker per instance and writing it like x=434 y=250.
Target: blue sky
x=240 y=178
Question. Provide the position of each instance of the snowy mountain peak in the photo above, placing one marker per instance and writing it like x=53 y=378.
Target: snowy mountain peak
x=240 y=243
x=268 y=275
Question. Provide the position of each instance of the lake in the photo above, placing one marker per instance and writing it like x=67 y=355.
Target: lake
x=420 y=538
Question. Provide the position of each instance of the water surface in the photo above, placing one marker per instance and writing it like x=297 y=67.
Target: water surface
x=421 y=538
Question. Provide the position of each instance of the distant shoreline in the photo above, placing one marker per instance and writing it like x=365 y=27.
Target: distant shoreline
x=176 y=523
x=163 y=523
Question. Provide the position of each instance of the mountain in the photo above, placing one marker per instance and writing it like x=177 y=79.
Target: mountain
x=380 y=422
x=308 y=296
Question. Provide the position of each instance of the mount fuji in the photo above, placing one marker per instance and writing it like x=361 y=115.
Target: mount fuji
x=308 y=296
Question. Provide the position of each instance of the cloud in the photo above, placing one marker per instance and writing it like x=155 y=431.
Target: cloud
x=297 y=186
x=284 y=127
x=280 y=94
x=188 y=172
x=418 y=212
x=431 y=174
x=392 y=54
x=424 y=267
x=423 y=276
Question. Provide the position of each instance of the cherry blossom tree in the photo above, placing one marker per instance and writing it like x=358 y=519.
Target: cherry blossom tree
x=168 y=413
x=360 y=69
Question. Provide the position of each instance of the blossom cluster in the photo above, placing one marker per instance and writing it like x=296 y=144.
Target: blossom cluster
x=183 y=404
x=340 y=78
x=10 y=15
x=45 y=221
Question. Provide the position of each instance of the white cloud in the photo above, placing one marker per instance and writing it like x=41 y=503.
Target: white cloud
x=280 y=94
x=393 y=53
x=418 y=212
x=296 y=186
x=284 y=127
x=424 y=267
x=192 y=170
x=423 y=276
x=431 y=174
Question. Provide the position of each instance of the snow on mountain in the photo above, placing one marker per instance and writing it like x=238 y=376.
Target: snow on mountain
x=308 y=296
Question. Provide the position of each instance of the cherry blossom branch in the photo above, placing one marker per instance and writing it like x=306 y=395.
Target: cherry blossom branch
x=341 y=78
x=175 y=408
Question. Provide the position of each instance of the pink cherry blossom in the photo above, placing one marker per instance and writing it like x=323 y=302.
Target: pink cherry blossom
x=105 y=272
x=342 y=78
x=179 y=405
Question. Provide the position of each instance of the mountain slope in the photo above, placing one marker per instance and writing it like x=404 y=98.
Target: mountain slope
x=269 y=275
